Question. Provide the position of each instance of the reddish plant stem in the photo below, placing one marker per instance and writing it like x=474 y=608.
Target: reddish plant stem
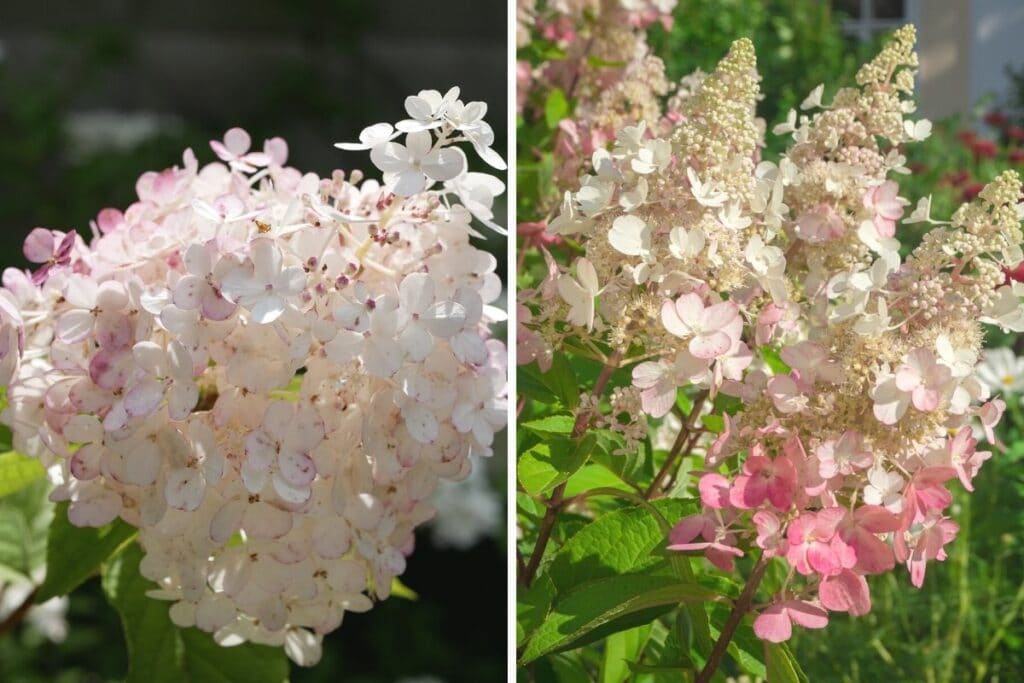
x=554 y=503
x=739 y=610
x=677 y=447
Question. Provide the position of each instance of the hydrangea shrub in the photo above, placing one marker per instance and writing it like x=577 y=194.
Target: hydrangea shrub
x=729 y=359
x=264 y=374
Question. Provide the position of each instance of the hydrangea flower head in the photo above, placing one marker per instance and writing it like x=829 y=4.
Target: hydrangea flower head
x=267 y=372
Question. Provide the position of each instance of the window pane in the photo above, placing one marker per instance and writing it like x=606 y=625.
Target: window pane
x=889 y=9
x=850 y=8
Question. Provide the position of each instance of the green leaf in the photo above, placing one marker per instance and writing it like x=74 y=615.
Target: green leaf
x=24 y=518
x=532 y=607
x=73 y=554
x=619 y=650
x=605 y=606
x=780 y=665
x=556 y=108
x=594 y=476
x=553 y=424
x=773 y=360
x=160 y=652
x=616 y=543
x=18 y=471
x=557 y=385
x=547 y=465
x=713 y=423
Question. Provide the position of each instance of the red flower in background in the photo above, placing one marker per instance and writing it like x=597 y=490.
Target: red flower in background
x=971 y=191
x=983 y=148
x=996 y=119
x=1015 y=132
x=1016 y=155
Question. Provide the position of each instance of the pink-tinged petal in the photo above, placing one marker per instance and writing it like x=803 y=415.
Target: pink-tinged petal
x=722 y=556
x=344 y=347
x=671 y=321
x=748 y=491
x=227 y=521
x=805 y=614
x=143 y=398
x=114 y=331
x=874 y=556
x=383 y=358
x=773 y=625
x=306 y=428
x=74 y=326
x=94 y=507
x=907 y=378
x=110 y=369
x=85 y=463
x=142 y=465
x=264 y=521
x=876 y=519
x=188 y=292
x=686 y=529
x=278 y=420
x=296 y=468
x=846 y=592
x=823 y=559
x=276 y=150
x=237 y=141
x=781 y=490
x=289 y=492
x=185 y=489
x=658 y=400
x=925 y=399
x=719 y=316
x=182 y=399
x=260 y=450
x=714 y=490
x=331 y=538
x=710 y=345
x=39 y=245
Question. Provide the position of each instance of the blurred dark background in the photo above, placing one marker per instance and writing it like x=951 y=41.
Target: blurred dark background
x=93 y=94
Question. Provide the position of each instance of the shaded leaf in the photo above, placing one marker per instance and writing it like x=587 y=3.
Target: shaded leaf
x=73 y=554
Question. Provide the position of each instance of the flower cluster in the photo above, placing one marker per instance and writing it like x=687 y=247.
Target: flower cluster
x=267 y=372
x=782 y=286
x=607 y=68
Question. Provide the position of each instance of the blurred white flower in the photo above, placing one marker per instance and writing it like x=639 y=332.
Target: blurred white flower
x=1001 y=370
x=98 y=130
x=467 y=511
x=47 y=618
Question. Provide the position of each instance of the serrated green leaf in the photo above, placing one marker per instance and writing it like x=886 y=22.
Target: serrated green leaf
x=24 y=518
x=160 y=652
x=604 y=606
x=547 y=465
x=73 y=554
x=557 y=385
x=556 y=108
x=553 y=424
x=616 y=543
x=18 y=471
